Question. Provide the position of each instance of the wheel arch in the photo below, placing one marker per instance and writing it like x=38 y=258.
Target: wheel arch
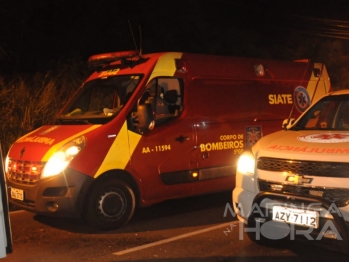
x=111 y=200
x=121 y=175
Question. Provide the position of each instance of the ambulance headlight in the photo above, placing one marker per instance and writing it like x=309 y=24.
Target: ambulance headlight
x=61 y=159
x=246 y=163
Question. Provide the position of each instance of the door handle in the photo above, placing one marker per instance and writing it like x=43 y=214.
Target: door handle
x=181 y=138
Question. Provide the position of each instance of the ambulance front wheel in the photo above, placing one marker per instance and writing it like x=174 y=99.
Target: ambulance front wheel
x=110 y=204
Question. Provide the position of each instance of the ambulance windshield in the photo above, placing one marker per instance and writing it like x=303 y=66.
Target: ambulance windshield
x=98 y=101
x=330 y=113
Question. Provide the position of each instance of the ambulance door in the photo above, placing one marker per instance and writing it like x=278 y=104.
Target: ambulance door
x=225 y=114
x=164 y=155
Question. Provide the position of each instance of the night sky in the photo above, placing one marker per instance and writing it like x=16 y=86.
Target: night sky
x=36 y=33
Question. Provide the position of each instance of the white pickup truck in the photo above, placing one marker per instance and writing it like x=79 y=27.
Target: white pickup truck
x=294 y=184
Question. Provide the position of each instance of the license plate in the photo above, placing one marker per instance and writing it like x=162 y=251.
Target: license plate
x=296 y=216
x=17 y=193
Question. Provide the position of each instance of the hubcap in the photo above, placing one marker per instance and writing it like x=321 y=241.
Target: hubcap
x=112 y=204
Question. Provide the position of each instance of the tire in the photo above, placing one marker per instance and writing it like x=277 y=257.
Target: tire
x=110 y=205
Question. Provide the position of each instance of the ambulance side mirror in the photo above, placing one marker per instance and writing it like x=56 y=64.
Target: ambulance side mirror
x=287 y=123
x=143 y=119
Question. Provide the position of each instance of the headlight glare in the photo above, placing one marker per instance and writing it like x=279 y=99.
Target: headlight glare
x=246 y=163
x=61 y=159
x=72 y=151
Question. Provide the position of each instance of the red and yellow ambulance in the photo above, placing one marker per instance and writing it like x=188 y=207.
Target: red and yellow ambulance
x=146 y=128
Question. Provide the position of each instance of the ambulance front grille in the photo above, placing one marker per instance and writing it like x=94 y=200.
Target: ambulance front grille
x=301 y=167
x=24 y=172
x=339 y=196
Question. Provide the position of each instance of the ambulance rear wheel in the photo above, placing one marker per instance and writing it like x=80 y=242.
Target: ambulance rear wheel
x=110 y=205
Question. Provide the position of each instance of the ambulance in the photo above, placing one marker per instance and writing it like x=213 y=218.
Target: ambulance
x=294 y=184
x=145 y=128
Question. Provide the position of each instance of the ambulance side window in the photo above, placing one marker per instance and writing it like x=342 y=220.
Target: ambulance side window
x=165 y=95
x=343 y=118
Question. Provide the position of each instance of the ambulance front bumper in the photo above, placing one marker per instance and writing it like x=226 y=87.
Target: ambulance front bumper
x=61 y=196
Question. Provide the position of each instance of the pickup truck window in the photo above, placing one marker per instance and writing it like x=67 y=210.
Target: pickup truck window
x=329 y=113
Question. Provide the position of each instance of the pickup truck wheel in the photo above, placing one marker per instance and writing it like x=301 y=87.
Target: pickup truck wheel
x=110 y=204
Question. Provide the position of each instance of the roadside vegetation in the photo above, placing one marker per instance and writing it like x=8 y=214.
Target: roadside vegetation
x=28 y=101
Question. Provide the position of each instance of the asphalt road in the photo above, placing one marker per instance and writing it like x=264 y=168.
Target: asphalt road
x=193 y=229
